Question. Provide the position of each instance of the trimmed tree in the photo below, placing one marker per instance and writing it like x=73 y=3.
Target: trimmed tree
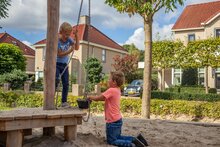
x=165 y=56
x=205 y=53
x=146 y=9
x=11 y=58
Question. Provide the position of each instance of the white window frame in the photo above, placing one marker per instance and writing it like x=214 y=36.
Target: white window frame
x=103 y=55
x=176 y=72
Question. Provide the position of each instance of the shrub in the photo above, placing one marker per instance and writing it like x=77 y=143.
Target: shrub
x=190 y=77
x=16 y=79
x=185 y=96
x=212 y=90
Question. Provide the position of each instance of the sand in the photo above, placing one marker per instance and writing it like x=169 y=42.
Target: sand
x=159 y=133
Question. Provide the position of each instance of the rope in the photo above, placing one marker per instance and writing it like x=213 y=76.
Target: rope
x=86 y=90
x=86 y=87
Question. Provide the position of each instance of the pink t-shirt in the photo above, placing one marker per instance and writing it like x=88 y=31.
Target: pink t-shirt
x=112 y=104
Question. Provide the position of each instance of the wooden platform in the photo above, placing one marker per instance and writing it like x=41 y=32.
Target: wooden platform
x=14 y=123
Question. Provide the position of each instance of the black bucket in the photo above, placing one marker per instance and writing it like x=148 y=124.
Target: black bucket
x=83 y=103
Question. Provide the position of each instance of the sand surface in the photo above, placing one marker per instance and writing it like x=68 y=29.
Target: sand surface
x=159 y=133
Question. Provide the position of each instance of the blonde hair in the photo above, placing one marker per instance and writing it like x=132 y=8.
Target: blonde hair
x=118 y=77
x=66 y=27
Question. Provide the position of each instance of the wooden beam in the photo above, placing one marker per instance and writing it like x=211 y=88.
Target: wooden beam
x=51 y=53
x=38 y=123
x=50 y=58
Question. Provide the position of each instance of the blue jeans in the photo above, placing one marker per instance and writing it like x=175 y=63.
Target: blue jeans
x=114 y=137
x=65 y=79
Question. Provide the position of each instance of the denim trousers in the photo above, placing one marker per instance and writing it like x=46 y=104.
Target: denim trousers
x=65 y=79
x=114 y=137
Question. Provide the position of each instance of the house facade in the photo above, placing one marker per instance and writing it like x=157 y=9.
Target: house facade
x=197 y=22
x=100 y=46
x=28 y=52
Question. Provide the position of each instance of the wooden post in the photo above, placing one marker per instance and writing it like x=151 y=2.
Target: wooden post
x=14 y=138
x=70 y=132
x=50 y=59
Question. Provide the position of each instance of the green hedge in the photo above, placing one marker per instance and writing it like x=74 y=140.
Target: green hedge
x=158 y=106
x=185 y=96
x=186 y=89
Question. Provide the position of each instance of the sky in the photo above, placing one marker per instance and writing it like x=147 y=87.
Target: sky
x=27 y=20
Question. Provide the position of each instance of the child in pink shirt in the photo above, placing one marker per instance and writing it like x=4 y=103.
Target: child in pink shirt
x=113 y=115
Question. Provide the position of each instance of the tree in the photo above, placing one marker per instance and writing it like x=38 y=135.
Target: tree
x=94 y=73
x=190 y=77
x=128 y=65
x=3 y=8
x=94 y=70
x=165 y=56
x=16 y=78
x=146 y=9
x=131 y=48
x=11 y=58
x=205 y=53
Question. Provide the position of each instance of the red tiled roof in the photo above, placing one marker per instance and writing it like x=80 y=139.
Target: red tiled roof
x=1 y=35
x=6 y=38
x=95 y=36
x=194 y=15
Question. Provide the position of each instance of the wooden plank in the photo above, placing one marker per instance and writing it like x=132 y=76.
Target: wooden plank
x=52 y=116
x=22 y=117
x=6 y=118
x=37 y=123
x=14 y=138
x=67 y=115
x=70 y=132
x=41 y=116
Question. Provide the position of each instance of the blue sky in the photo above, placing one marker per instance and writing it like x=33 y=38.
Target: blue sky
x=27 y=20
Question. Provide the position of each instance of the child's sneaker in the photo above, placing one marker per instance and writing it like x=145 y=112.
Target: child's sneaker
x=142 y=139
x=65 y=104
x=137 y=143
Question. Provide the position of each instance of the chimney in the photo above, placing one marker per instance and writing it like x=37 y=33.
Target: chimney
x=84 y=19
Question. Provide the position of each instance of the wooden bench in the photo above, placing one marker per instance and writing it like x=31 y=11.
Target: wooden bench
x=14 y=123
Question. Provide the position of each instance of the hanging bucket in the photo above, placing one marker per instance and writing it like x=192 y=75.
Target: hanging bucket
x=83 y=103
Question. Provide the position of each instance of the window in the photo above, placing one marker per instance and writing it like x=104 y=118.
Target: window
x=191 y=37
x=44 y=53
x=103 y=55
x=201 y=76
x=217 y=33
x=177 y=76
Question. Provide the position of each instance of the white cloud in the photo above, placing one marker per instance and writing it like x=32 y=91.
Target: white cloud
x=27 y=43
x=31 y=15
x=137 y=38
x=189 y=2
x=160 y=33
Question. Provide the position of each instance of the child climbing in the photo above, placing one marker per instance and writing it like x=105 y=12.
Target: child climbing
x=66 y=45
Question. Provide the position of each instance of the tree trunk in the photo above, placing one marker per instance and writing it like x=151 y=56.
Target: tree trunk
x=206 y=80
x=163 y=79
x=147 y=67
x=51 y=53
